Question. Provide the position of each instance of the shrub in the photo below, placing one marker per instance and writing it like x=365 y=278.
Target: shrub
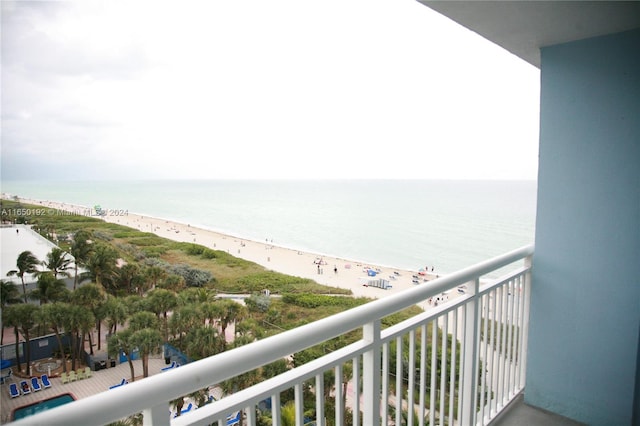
x=209 y=254
x=258 y=302
x=193 y=277
x=306 y=300
x=194 y=249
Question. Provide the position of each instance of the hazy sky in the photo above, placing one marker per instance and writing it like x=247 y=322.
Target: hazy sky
x=252 y=89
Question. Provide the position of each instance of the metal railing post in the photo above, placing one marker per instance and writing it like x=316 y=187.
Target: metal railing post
x=470 y=357
x=157 y=415
x=528 y=262
x=371 y=372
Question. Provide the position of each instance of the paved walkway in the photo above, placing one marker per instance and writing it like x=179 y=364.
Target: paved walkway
x=100 y=382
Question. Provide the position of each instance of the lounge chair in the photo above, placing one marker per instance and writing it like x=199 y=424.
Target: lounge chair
x=35 y=384
x=64 y=377
x=80 y=374
x=186 y=410
x=87 y=372
x=25 y=388
x=170 y=366
x=234 y=419
x=13 y=390
x=72 y=376
x=122 y=383
x=45 y=381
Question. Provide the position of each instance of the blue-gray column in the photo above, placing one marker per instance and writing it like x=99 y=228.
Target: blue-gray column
x=585 y=308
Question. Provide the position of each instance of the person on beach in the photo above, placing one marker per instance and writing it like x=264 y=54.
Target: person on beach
x=335 y=269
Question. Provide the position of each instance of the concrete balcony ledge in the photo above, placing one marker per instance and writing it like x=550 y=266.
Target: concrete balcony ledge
x=517 y=413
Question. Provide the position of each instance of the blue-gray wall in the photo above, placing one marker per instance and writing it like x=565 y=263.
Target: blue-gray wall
x=585 y=307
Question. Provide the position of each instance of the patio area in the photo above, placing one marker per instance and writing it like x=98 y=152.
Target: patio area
x=99 y=382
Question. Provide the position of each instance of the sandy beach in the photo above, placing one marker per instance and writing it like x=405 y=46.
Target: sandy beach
x=331 y=271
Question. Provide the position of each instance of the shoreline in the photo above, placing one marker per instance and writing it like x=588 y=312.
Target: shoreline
x=324 y=269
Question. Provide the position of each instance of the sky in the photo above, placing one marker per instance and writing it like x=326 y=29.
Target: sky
x=283 y=89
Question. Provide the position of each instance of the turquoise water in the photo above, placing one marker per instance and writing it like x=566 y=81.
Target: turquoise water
x=406 y=224
x=37 y=407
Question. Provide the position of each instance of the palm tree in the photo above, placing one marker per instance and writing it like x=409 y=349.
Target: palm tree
x=142 y=283
x=195 y=295
x=202 y=342
x=142 y=334
x=135 y=303
x=101 y=265
x=23 y=318
x=154 y=274
x=91 y=296
x=49 y=289
x=178 y=403
x=58 y=262
x=184 y=319
x=212 y=312
x=200 y=397
x=76 y=321
x=81 y=250
x=148 y=341
x=161 y=302
x=128 y=276
x=172 y=282
x=121 y=343
x=142 y=320
x=249 y=329
x=27 y=264
x=53 y=315
x=232 y=312
x=9 y=295
x=10 y=318
x=115 y=312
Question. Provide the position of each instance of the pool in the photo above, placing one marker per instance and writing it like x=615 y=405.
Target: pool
x=31 y=409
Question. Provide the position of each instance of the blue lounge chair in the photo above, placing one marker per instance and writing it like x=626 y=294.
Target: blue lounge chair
x=186 y=410
x=170 y=366
x=13 y=390
x=122 y=383
x=35 y=384
x=234 y=419
x=24 y=387
x=45 y=381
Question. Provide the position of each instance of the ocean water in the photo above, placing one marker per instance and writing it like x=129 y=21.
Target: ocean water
x=407 y=224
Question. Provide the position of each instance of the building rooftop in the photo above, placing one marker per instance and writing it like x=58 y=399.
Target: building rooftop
x=16 y=239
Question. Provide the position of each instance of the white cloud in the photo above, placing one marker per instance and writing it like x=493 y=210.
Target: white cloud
x=251 y=89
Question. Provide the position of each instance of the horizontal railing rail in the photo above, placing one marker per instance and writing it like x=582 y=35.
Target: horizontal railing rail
x=481 y=336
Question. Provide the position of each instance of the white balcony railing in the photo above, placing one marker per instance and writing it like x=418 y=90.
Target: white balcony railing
x=481 y=336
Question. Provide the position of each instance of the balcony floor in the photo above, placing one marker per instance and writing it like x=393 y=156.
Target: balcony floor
x=520 y=414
